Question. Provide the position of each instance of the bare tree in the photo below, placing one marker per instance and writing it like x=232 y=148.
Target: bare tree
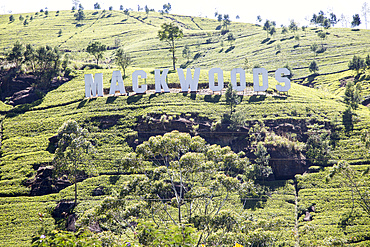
x=365 y=11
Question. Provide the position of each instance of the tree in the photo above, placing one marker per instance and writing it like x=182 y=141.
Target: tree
x=314 y=48
x=147 y=10
x=121 y=7
x=96 y=5
x=80 y=7
x=30 y=56
x=123 y=60
x=231 y=98
x=230 y=38
x=170 y=33
x=80 y=15
x=25 y=23
x=47 y=64
x=313 y=67
x=356 y=63
x=21 y=18
x=267 y=26
x=322 y=36
x=16 y=54
x=259 y=19
x=365 y=10
x=110 y=8
x=186 y=53
x=72 y=152
x=317 y=145
x=352 y=94
x=367 y=61
x=11 y=18
x=284 y=30
x=225 y=24
x=333 y=19
x=349 y=176
x=356 y=21
x=96 y=49
x=167 y=8
x=293 y=27
x=75 y=3
x=262 y=168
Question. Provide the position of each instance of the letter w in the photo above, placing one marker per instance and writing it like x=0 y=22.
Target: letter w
x=189 y=81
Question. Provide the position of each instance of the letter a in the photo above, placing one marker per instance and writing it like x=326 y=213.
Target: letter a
x=256 y=80
x=160 y=81
x=93 y=86
x=189 y=81
x=117 y=78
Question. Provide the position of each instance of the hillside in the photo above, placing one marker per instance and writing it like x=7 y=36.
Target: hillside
x=120 y=123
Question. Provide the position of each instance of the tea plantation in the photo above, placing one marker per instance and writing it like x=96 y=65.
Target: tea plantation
x=298 y=205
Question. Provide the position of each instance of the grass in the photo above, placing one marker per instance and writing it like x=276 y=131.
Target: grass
x=26 y=130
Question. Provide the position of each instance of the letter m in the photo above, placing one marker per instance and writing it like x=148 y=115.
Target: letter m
x=94 y=86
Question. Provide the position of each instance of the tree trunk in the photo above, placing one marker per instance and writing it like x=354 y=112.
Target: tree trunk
x=173 y=55
x=75 y=191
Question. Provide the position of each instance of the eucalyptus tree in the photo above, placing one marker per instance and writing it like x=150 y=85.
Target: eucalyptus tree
x=71 y=155
x=170 y=33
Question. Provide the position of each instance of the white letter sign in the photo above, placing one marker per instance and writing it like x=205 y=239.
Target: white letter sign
x=280 y=78
x=189 y=81
x=117 y=78
x=135 y=83
x=220 y=78
x=256 y=80
x=243 y=84
x=93 y=86
x=160 y=81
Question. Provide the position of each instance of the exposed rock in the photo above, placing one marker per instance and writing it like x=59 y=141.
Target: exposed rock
x=95 y=227
x=63 y=209
x=71 y=222
x=99 y=191
x=308 y=217
x=43 y=183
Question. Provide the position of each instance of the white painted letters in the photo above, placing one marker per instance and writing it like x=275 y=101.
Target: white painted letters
x=280 y=78
x=189 y=81
x=256 y=80
x=160 y=81
x=241 y=73
x=117 y=78
x=93 y=85
x=135 y=83
x=220 y=79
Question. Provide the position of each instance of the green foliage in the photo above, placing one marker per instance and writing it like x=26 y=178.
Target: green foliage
x=232 y=98
x=262 y=168
x=313 y=67
x=170 y=33
x=16 y=54
x=357 y=63
x=63 y=238
x=356 y=21
x=123 y=60
x=96 y=49
x=352 y=95
x=318 y=148
x=71 y=153
x=80 y=15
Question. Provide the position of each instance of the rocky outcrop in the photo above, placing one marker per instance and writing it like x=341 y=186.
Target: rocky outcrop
x=43 y=183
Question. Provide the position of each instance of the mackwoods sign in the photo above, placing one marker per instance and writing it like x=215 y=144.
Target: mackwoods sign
x=94 y=86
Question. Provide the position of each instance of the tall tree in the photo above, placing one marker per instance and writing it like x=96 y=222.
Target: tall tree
x=80 y=15
x=365 y=11
x=16 y=54
x=97 y=5
x=123 y=60
x=356 y=63
x=72 y=152
x=96 y=49
x=231 y=98
x=170 y=33
x=166 y=8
